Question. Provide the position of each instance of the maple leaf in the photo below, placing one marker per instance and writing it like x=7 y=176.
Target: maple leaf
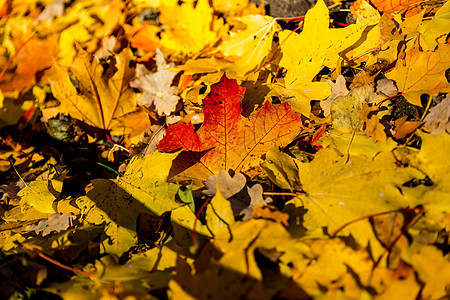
x=157 y=87
x=248 y=48
x=188 y=28
x=29 y=61
x=404 y=128
x=227 y=140
x=146 y=38
x=435 y=273
x=422 y=73
x=436 y=29
x=340 y=189
x=303 y=63
x=431 y=160
x=99 y=98
x=86 y=23
x=245 y=50
x=411 y=7
x=375 y=129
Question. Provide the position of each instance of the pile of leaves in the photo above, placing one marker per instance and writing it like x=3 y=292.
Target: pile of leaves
x=203 y=149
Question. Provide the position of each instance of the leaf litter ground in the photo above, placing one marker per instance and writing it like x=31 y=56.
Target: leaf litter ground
x=202 y=149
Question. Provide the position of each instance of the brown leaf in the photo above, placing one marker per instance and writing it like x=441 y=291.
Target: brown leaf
x=403 y=127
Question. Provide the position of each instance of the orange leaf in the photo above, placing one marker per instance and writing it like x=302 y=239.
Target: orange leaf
x=32 y=56
x=227 y=140
x=403 y=127
x=412 y=7
x=146 y=38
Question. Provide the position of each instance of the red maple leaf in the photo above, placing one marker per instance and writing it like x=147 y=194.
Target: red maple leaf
x=227 y=140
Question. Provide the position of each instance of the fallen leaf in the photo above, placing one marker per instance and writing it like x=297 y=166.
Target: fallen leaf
x=332 y=258
x=387 y=87
x=188 y=28
x=229 y=7
x=338 y=89
x=282 y=169
x=364 y=13
x=422 y=73
x=229 y=140
x=434 y=196
x=157 y=87
x=28 y=61
x=219 y=214
x=146 y=38
x=304 y=63
x=438 y=118
x=55 y=222
x=405 y=288
x=357 y=144
x=435 y=31
x=411 y=7
x=11 y=190
x=340 y=189
x=404 y=128
x=228 y=186
x=376 y=130
x=433 y=270
x=41 y=194
x=248 y=48
x=256 y=198
x=53 y=10
x=100 y=98
x=270 y=213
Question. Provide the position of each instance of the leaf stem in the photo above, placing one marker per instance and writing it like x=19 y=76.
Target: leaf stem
x=389 y=98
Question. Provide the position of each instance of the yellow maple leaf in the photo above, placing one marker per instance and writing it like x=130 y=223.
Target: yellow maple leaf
x=86 y=22
x=434 y=270
x=305 y=54
x=248 y=48
x=97 y=99
x=422 y=73
x=340 y=189
x=229 y=6
x=370 y=39
x=376 y=130
x=188 y=28
x=437 y=28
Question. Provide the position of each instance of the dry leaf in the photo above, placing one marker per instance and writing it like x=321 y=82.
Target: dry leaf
x=157 y=87
x=438 y=118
